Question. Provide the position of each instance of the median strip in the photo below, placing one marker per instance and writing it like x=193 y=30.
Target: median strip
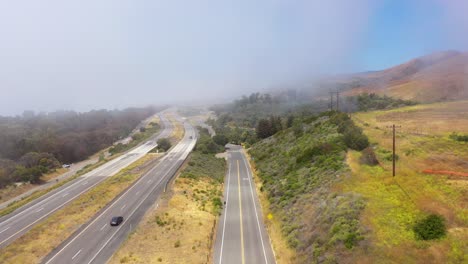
x=45 y=236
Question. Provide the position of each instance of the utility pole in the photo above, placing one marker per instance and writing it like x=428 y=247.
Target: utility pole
x=394 y=154
x=393 y=150
x=331 y=101
x=338 y=100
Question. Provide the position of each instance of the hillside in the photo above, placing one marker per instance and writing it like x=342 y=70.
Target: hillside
x=333 y=204
x=298 y=168
x=441 y=76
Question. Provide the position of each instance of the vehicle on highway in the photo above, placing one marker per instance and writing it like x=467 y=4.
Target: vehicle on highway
x=116 y=220
x=66 y=166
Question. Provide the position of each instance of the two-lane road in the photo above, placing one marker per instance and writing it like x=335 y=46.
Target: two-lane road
x=97 y=241
x=241 y=236
x=14 y=225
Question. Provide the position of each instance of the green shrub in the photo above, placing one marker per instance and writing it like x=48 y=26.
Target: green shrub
x=457 y=137
x=164 y=144
x=430 y=227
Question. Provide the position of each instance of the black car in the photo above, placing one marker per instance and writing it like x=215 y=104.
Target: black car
x=116 y=220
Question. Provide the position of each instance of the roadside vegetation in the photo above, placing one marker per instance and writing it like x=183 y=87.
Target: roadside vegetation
x=17 y=204
x=297 y=168
x=181 y=229
x=45 y=236
x=35 y=146
x=237 y=122
x=11 y=190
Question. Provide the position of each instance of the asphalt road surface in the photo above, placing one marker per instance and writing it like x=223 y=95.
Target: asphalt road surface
x=98 y=240
x=15 y=224
x=241 y=236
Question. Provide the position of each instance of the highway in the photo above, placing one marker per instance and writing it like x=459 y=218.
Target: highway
x=97 y=240
x=15 y=224
x=241 y=236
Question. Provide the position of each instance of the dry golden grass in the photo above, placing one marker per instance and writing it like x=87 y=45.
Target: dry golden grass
x=180 y=230
x=395 y=203
x=423 y=134
x=39 y=241
x=283 y=253
x=53 y=175
x=12 y=191
x=178 y=132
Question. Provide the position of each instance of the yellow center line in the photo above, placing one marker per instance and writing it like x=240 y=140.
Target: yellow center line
x=240 y=212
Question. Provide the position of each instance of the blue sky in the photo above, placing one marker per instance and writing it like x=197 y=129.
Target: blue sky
x=400 y=30
x=89 y=54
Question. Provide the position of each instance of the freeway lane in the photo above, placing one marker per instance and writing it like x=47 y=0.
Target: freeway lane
x=97 y=240
x=14 y=225
x=241 y=236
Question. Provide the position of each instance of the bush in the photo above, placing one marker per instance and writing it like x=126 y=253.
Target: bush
x=368 y=157
x=355 y=139
x=164 y=144
x=177 y=244
x=457 y=137
x=431 y=227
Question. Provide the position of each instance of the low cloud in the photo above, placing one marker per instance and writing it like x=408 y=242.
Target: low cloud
x=106 y=54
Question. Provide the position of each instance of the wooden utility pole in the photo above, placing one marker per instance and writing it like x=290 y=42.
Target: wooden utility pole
x=338 y=100
x=331 y=101
x=394 y=153
x=394 y=156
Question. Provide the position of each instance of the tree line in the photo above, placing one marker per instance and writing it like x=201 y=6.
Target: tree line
x=33 y=144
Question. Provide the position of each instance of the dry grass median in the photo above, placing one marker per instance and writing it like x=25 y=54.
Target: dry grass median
x=45 y=236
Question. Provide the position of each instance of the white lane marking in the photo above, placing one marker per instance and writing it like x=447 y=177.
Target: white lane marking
x=108 y=208
x=225 y=213
x=103 y=226
x=28 y=210
x=134 y=210
x=84 y=183
x=137 y=193
x=65 y=195
x=4 y=230
x=40 y=209
x=150 y=181
x=53 y=210
x=74 y=256
x=60 y=206
x=123 y=207
x=255 y=207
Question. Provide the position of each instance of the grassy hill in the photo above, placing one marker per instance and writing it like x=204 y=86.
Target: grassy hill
x=436 y=77
x=395 y=204
x=333 y=206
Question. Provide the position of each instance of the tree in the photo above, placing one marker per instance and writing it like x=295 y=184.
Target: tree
x=164 y=144
x=220 y=139
x=263 y=128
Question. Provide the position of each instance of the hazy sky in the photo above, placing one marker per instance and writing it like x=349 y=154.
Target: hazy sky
x=85 y=54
